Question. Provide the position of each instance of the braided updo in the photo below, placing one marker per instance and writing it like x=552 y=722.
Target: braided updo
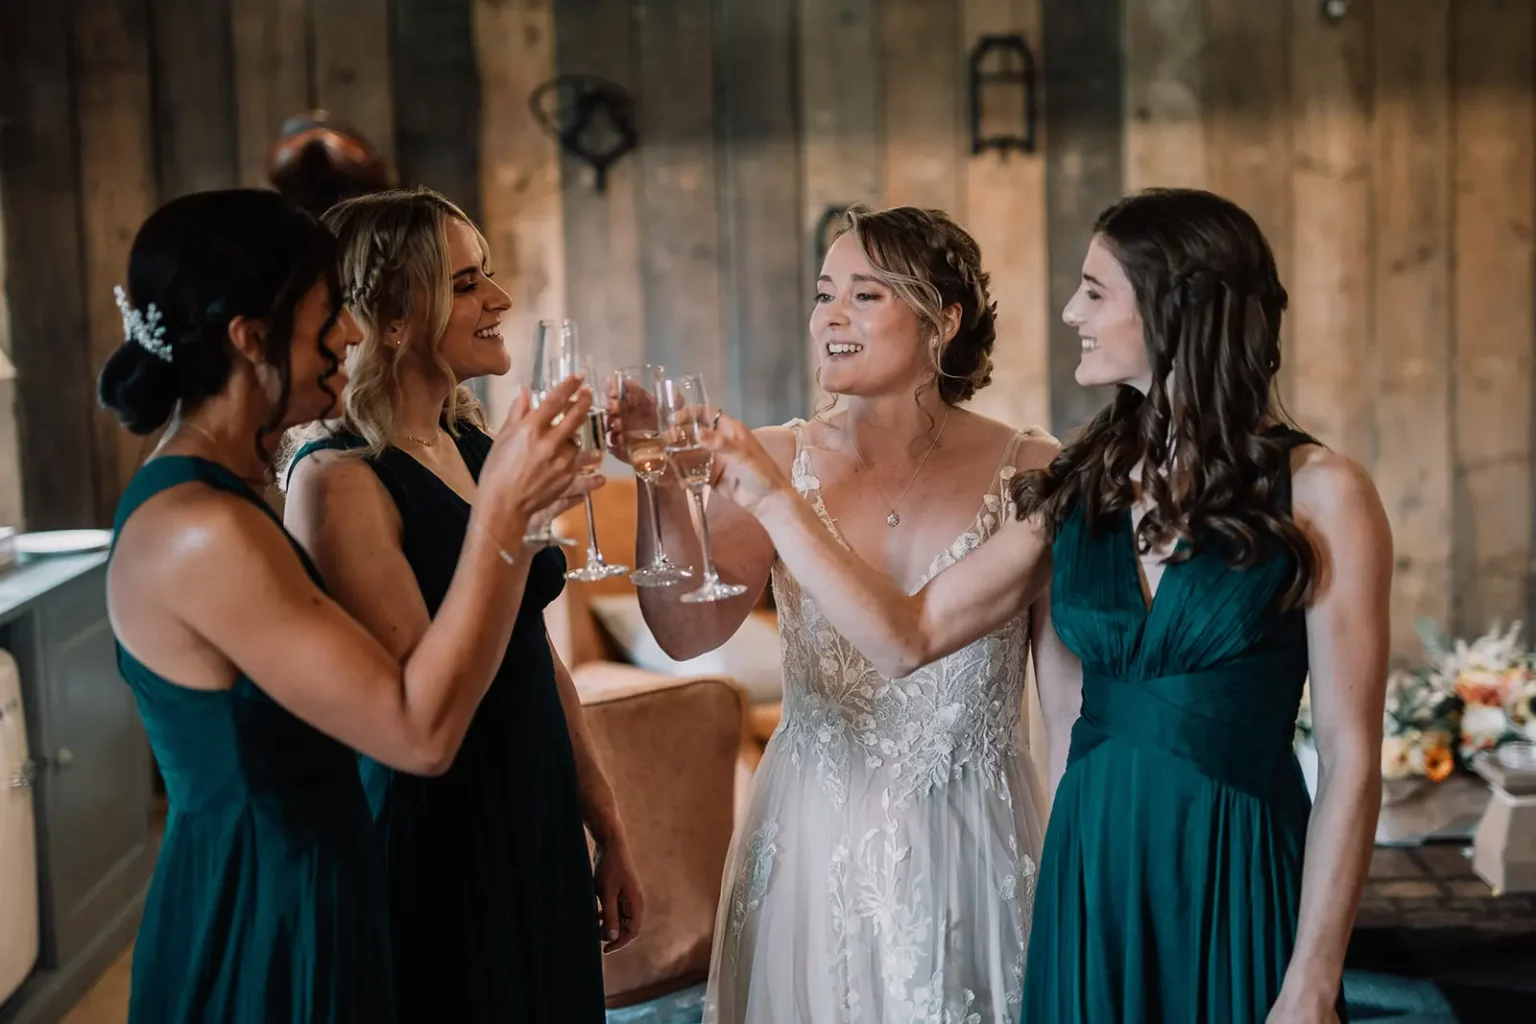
x=933 y=263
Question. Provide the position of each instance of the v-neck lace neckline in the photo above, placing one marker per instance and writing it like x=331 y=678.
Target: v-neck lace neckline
x=994 y=505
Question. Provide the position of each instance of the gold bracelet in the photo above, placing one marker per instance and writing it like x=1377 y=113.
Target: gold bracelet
x=505 y=557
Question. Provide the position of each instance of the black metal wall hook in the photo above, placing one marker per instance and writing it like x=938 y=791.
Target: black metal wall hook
x=1000 y=63
x=592 y=118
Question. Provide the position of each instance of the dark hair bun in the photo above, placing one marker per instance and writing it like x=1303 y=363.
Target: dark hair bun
x=139 y=388
x=200 y=261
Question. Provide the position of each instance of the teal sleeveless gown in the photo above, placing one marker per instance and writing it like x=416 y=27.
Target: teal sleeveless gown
x=493 y=910
x=1171 y=871
x=267 y=902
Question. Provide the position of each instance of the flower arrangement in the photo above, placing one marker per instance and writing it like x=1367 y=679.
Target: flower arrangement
x=1468 y=698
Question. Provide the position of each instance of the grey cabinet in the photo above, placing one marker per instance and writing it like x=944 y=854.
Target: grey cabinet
x=97 y=836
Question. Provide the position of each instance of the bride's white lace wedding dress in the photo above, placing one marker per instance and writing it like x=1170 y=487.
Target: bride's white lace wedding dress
x=884 y=870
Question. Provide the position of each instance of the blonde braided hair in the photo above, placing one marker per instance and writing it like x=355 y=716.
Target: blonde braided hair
x=394 y=264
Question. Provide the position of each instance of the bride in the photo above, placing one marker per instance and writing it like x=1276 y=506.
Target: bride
x=885 y=867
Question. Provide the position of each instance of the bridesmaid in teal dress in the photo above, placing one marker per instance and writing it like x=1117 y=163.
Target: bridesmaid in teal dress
x=1207 y=560
x=494 y=908
x=267 y=902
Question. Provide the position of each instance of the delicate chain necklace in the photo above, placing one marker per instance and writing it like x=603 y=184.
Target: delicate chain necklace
x=893 y=520
x=417 y=440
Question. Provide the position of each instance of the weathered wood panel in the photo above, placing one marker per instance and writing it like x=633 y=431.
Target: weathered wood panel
x=925 y=104
x=1328 y=343
x=1005 y=212
x=841 y=123
x=272 y=80
x=1413 y=469
x=350 y=41
x=520 y=204
x=1165 y=43
x=39 y=194
x=602 y=241
x=1084 y=111
x=1494 y=209
x=1248 y=121
x=11 y=513
x=194 y=88
x=117 y=193
x=675 y=189
x=756 y=127
x=436 y=87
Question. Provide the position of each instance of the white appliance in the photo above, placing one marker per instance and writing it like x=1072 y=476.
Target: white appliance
x=18 y=838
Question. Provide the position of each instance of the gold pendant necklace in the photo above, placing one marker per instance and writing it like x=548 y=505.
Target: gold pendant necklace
x=893 y=519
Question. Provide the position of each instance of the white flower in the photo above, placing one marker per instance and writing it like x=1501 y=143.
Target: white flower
x=1482 y=726
x=1396 y=755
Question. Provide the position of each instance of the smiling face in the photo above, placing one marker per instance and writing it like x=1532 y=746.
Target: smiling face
x=471 y=344
x=1108 y=323
x=868 y=340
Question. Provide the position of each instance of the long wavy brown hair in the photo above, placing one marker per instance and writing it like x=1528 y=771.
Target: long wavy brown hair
x=1213 y=469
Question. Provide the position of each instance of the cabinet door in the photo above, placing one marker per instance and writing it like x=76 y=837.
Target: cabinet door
x=96 y=783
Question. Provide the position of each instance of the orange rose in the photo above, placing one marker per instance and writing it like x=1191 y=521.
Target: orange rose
x=1437 y=763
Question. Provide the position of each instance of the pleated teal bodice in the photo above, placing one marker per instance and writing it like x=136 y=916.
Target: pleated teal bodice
x=268 y=900
x=1171 y=873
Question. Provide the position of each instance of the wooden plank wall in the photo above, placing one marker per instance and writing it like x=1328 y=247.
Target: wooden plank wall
x=1388 y=156
x=111 y=107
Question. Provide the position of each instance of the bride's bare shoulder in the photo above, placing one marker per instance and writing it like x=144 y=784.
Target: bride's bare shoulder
x=1036 y=446
x=779 y=441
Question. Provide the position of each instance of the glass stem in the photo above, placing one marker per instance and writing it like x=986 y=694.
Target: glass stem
x=709 y=558
x=658 y=556
x=593 y=554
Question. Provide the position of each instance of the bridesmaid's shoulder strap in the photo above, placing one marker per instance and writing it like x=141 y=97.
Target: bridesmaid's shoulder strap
x=1292 y=438
x=167 y=471
x=334 y=442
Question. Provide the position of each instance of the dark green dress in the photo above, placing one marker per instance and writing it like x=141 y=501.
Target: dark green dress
x=493 y=908
x=1171 y=869
x=267 y=902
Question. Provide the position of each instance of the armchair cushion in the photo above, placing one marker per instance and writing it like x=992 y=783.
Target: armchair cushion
x=750 y=658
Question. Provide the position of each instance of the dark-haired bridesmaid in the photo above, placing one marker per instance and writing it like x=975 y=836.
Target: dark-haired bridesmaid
x=267 y=902
x=1205 y=558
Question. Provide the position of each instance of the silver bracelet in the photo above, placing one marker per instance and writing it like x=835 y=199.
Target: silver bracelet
x=505 y=556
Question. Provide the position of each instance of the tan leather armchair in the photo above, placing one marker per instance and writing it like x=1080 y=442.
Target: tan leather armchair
x=574 y=627
x=668 y=746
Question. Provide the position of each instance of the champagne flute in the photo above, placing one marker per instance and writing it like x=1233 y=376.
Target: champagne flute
x=683 y=409
x=592 y=437
x=637 y=388
x=549 y=346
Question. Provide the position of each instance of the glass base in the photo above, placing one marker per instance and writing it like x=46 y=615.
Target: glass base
x=596 y=569
x=713 y=590
x=659 y=574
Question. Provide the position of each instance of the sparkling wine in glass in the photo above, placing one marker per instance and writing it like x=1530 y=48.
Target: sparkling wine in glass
x=549 y=346
x=592 y=437
x=683 y=409
x=637 y=388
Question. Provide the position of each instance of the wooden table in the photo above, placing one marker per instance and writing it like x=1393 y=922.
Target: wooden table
x=1429 y=925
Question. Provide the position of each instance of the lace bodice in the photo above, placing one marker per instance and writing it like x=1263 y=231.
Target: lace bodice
x=960 y=715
